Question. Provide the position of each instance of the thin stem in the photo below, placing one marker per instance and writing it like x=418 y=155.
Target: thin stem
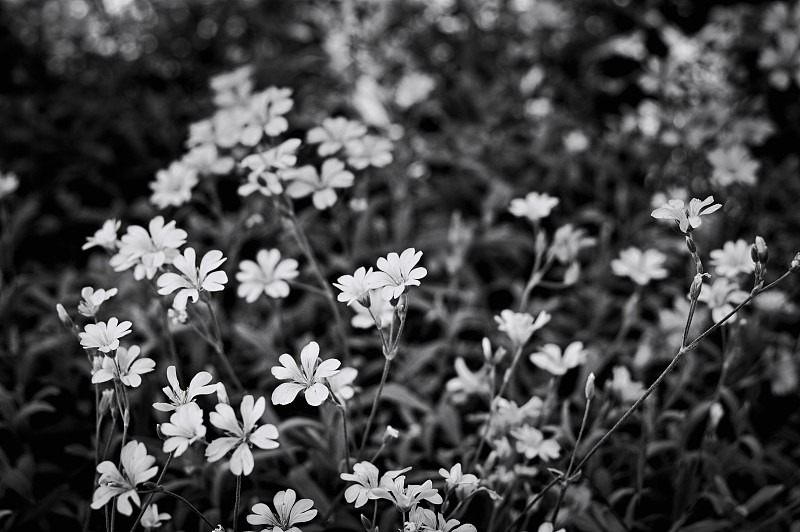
x=160 y=489
x=153 y=494
x=570 y=470
x=218 y=348
x=237 y=502
x=308 y=288
x=374 y=410
x=510 y=371
x=380 y=330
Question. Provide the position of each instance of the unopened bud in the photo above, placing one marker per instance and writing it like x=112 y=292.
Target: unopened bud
x=761 y=250
x=572 y=273
x=715 y=414
x=589 y=389
x=63 y=315
x=486 y=345
x=160 y=434
x=365 y=300
x=690 y=244
x=697 y=285
x=222 y=394
x=106 y=403
x=390 y=434
x=795 y=263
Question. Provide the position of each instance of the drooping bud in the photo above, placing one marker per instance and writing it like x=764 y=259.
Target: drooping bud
x=589 y=389
x=697 y=285
x=63 y=315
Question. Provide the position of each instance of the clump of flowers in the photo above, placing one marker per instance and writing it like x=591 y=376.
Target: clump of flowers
x=288 y=512
x=147 y=250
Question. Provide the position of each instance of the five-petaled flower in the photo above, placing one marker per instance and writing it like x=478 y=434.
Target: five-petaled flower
x=397 y=273
x=137 y=467
x=356 y=287
x=288 y=512
x=734 y=258
x=173 y=186
x=194 y=279
x=241 y=435
x=268 y=275
x=641 y=266
x=184 y=428
x=532 y=443
x=534 y=206
x=105 y=237
x=405 y=498
x=309 y=379
x=92 y=299
x=519 y=326
x=146 y=250
x=305 y=181
x=125 y=367
x=178 y=396
x=369 y=151
x=456 y=479
x=334 y=133
x=151 y=518
x=104 y=336
x=550 y=358
x=676 y=210
x=365 y=476
x=721 y=297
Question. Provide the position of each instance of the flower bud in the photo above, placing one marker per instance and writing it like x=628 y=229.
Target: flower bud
x=697 y=285
x=795 y=263
x=390 y=434
x=715 y=414
x=160 y=434
x=222 y=394
x=589 y=389
x=761 y=250
x=63 y=315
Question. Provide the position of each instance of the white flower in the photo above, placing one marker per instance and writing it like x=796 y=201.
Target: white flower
x=306 y=181
x=379 y=307
x=641 y=266
x=137 y=467
x=406 y=497
x=267 y=276
x=125 y=367
x=548 y=527
x=232 y=125
x=413 y=88
x=519 y=326
x=184 y=428
x=148 y=251
x=467 y=383
x=288 y=512
x=455 y=479
x=625 y=388
x=369 y=150
x=398 y=273
x=576 y=142
x=194 y=279
x=356 y=287
x=266 y=168
x=173 y=186
x=232 y=88
x=105 y=237
x=365 y=476
x=675 y=209
x=9 y=182
x=734 y=258
x=92 y=299
x=310 y=379
x=151 y=518
x=568 y=242
x=531 y=443
x=178 y=396
x=550 y=358
x=334 y=133
x=733 y=165
x=721 y=297
x=205 y=159
x=200 y=133
x=269 y=106
x=241 y=435
x=104 y=336
x=534 y=206
x=342 y=383
x=428 y=521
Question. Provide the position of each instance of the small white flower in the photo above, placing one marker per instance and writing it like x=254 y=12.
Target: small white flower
x=398 y=273
x=455 y=479
x=568 y=242
x=205 y=159
x=137 y=467
x=104 y=336
x=184 y=428
x=173 y=186
x=269 y=106
x=365 y=476
x=178 y=396
x=268 y=276
x=356 y=287
x=232 y=88
x=305 y=181
x=288 y=512
x=733 y=165
x=576 y=142
x=534 y=206
x=92 y=299
x=241 y=435
x=467 y=383
x=194 y=279
x=379 y=307
x=532 y=443
x=125 y=366
x=334 y=133
x=641 y=266
x=734 y=258
x=266 y=168
x=151 y=518
x=550 y=358
x=369 y=150
x=105 y=237
x=675 y=209
x=721 y=297
x=9 y=183
x=625 y=388
x=519 y=326
x=342 y=383
x=146 y=251
x=413 y=88
x=310 y=379
x=406 y=497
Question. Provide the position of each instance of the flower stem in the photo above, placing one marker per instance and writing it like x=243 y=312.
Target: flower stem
x=568 y=474
x=218 y=348
x=374 y=410
x=161 y=489
x=151 y=495
x=237 y=501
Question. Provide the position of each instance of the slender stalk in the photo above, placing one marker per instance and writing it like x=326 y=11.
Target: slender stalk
x=151 y=495
x=161 y=489
x=219 y=348
x=510 y=371
x=568 y=474
x=371 y=419
x=237 y=502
